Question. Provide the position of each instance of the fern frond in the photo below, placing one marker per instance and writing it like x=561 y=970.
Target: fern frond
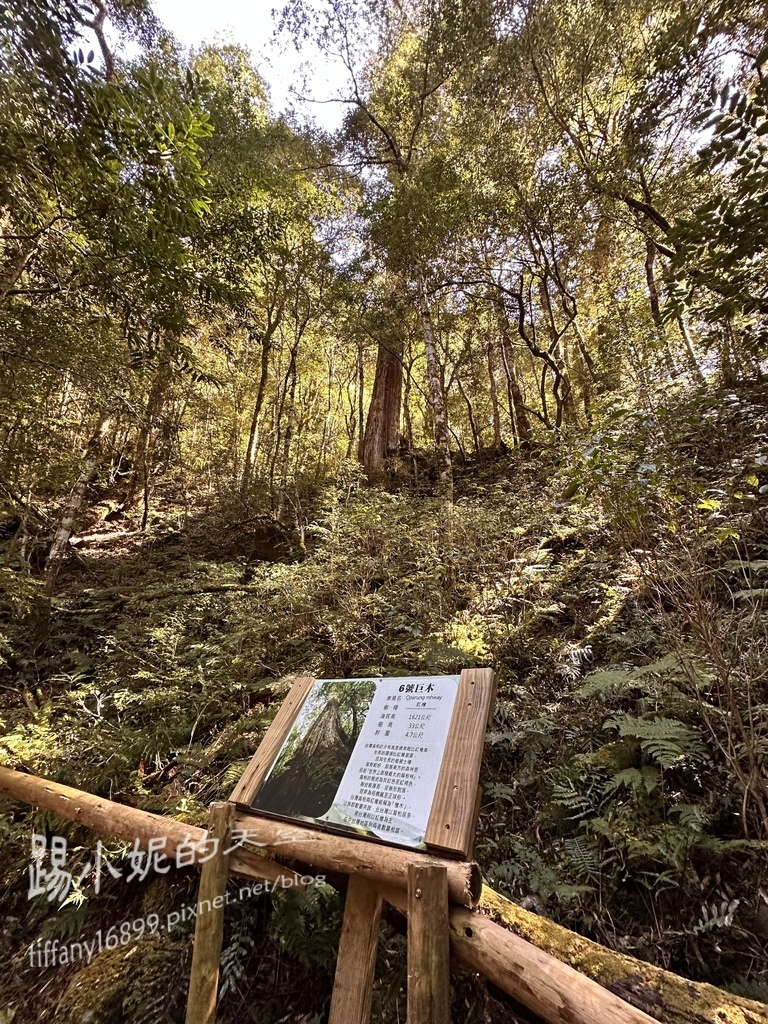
x=667 y=740
x=233 y=772
x=598 y=682
x=716 y=916
x=585 y=857
x=638 y=780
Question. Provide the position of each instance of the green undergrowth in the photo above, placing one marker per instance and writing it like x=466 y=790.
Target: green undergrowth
x=621 y=603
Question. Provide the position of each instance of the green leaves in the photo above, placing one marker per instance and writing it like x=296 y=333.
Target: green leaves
x=668 y=741
x=722 y=246
x=635 y=779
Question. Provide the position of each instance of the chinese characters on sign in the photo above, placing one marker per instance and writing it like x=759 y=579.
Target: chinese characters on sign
x=365 y=755
x=390 y=780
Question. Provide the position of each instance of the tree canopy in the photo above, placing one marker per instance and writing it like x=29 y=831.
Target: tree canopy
x=477 y=378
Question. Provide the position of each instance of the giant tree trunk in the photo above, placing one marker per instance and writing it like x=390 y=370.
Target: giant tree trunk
x=307 y=784
x=437 y=398
x=382 y=428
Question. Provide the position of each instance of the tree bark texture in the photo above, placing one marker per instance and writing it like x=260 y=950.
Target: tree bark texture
x=382 y=428
x=308 y=783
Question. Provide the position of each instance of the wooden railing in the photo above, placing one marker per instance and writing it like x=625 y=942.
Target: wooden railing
x=532 y=976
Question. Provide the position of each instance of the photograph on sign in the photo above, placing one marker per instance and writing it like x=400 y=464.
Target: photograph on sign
x=364 y=755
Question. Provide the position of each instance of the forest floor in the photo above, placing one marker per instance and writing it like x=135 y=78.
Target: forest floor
x=621 y=604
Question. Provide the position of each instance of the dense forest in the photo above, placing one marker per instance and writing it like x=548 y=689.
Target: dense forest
x=477 y=379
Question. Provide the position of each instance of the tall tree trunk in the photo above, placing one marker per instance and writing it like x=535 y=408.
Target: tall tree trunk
x=470 y=415
x=518 y=414
x=494 y=395
x=407 y=419
x=350 y=392
x=322 y=457
x=589 y=362
x=562 y=391
x=76 y=499
x=543 y=397
x=382 y=428
x=307 y=784
x=140 y=474
x=727 y=355
x=253 y=434
x=287 y=438
x=437 y=398
x=266 y=348
x=283 y=437
x=360 y=398
x=588 y=377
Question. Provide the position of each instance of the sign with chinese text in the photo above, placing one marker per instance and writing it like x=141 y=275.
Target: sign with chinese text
x=364 y=755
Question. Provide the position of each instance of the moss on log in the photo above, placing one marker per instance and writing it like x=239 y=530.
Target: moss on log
x=659 y=993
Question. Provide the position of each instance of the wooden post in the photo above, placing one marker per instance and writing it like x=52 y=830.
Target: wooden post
x=429 y=975
x=476 y=816
x=451 y=822
x=353 y=983
x=209 y=922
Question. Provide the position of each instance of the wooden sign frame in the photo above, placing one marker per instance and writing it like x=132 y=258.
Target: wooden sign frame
x=453 y=817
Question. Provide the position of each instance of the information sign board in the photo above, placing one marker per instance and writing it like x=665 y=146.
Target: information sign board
x=389 y=759
x=365 y=755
